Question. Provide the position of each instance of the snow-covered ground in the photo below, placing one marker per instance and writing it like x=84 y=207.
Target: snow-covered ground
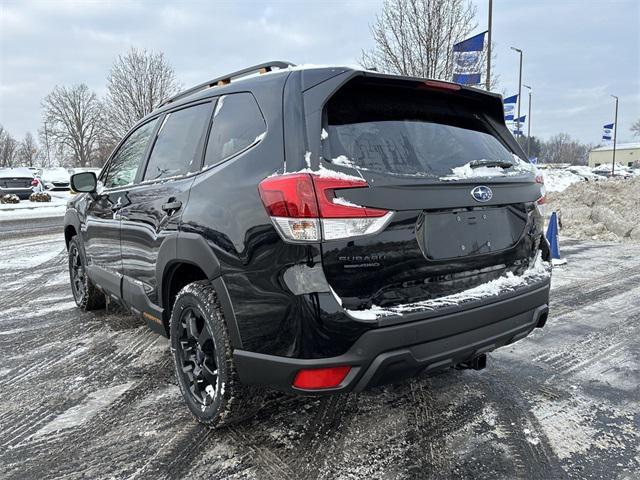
x=93 y=395
x=29 y=210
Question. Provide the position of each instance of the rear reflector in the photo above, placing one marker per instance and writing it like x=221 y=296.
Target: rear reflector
x=319 y=378
x=307 y=208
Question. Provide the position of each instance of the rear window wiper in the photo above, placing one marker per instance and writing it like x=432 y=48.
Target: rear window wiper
x=490 y=163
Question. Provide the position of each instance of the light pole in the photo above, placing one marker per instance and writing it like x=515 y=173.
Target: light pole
x=489 y=46
x=519 y=90
x=528 y=123
x=615 y=134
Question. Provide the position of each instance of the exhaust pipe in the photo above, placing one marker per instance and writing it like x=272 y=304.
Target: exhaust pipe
x=476 y=363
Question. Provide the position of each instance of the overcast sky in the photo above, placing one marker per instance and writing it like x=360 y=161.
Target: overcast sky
x=577 y=53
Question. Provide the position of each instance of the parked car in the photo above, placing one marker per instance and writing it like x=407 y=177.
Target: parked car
x=55 y=178
x=95 y=170
x=585 y=172
x=17 y=181
x=620 y=171
x=316 y=231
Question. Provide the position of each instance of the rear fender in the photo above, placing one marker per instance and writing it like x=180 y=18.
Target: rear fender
x=192 y=249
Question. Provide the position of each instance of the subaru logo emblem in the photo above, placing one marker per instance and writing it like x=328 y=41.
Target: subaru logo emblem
x=482 y=193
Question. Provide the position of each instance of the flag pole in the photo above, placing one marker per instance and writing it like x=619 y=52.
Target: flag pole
x=489 y=46
x=528 y=123
x=519 y=91
x=615 y=134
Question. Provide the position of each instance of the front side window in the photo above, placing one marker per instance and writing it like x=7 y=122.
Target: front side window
x=237 y=124
x=125 y=163
x=177 y=148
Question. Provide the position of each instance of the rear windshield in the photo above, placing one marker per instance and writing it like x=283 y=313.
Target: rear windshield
x=408 y=132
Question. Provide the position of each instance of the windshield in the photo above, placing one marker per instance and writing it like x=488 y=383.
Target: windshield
x=404 y=132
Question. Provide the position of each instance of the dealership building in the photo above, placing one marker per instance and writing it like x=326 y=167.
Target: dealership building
x=627 y=154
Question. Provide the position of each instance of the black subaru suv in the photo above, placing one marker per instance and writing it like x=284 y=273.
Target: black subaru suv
x=315 y=230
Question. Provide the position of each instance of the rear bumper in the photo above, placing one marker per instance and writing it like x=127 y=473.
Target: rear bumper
x=387 y=354
x=19 y=192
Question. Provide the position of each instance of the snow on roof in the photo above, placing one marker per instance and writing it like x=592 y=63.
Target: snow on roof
x=619 y=146
x=15 y=172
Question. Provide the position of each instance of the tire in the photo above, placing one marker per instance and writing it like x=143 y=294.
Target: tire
x=85 y=293
x=203 y=360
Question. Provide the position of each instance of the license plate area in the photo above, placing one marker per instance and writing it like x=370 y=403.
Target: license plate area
x=466 y=233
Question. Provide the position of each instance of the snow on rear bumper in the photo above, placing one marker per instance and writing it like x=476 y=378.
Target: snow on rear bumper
x=426 y=344
x=508 y=284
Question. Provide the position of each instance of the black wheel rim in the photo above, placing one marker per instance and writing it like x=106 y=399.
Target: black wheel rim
x=197 y=356
x=76 y=269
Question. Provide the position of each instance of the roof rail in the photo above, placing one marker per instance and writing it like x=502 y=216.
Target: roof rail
x=225 y=79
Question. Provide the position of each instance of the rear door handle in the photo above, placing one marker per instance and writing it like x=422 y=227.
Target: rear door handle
x=171 y=206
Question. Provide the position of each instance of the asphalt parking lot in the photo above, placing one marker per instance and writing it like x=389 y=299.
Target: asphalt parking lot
x=92 y=395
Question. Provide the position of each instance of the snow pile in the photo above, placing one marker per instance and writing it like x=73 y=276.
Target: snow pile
x=607 y=210
x=509 y=282
x=40 y=197
x=556 y=180
x=9 y=199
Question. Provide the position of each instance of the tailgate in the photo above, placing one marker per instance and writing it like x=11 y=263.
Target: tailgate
x=463 y=203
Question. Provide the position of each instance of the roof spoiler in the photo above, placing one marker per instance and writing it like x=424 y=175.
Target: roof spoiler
x=225 y=79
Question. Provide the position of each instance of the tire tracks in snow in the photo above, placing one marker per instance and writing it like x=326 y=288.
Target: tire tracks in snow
x=567 y=299
x=23 y=293
x=603 y=344
x=532 y=455
x=323 y=434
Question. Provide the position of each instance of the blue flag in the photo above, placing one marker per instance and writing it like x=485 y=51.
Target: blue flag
x=466 y=60
x=473 y=44
x=522 y=119
x=510 y=107
x=607 y=131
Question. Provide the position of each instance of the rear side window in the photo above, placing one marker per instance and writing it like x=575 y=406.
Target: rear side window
x=178 y=144
x=125 y=163
x=405 y=131
x=237 y=124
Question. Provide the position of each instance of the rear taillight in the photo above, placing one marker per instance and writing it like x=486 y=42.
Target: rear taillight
x=307 y=208
x=320 y=378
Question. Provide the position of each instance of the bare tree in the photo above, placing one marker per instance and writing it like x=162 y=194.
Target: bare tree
x=73 y=118
x=416 y=37
x=561 y=148
x=44 y=133
x=28 y=151
x=137 y=82
x=635 y=128
x=8 y=148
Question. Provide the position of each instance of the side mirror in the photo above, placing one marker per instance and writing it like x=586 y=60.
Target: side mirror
x=84 y=182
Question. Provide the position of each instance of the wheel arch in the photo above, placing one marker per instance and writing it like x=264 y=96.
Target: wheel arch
x=185 y=258
x=71 y=226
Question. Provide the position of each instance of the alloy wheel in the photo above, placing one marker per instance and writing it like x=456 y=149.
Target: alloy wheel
x=197 y=356
x=77 y=271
